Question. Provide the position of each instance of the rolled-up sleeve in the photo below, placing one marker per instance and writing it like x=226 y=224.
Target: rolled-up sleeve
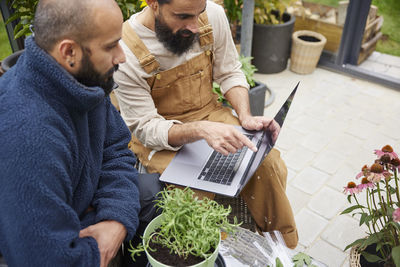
x=226 y=68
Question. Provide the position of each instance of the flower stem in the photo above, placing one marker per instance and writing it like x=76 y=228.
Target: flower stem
x=363 y=209
x=397 y=184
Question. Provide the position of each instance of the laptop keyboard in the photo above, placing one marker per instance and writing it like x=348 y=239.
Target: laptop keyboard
x=221 y=169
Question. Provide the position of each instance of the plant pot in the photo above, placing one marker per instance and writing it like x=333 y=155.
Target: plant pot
x=152 y=226
x=307 y=47
x=257 y=99
x=271 y=45
x=10 y=61
x=357 y=260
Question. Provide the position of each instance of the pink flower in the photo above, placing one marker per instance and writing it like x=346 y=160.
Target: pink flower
x=386 y=150
x=395 y=163
x=396 y=215
x=365 y=171
x=365 y=183
x=377 y=173
x=351 y=189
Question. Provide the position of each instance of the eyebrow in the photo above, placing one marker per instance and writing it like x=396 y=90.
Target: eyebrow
x=112 y=43
x=189 y=15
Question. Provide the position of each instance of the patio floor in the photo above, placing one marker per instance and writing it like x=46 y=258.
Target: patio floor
x=332 y=129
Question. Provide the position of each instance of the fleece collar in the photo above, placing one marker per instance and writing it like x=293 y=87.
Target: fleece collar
x=54 y=80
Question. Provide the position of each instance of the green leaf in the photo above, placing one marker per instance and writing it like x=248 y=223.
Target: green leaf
x=11 y=18
x=278 y=262
x=301 y=258
x=357 y=242
x=396 y=255
x=350 y=209
x=370 y=257
x=363 y=218
x=372 y=239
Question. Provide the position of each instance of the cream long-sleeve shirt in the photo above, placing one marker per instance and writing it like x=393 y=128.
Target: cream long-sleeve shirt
x=134 y=98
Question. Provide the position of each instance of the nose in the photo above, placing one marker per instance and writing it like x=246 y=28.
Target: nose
x=193 y=25
x=120 y=56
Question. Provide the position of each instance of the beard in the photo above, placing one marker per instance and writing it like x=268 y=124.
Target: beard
x=178 y=42
x=87 y=75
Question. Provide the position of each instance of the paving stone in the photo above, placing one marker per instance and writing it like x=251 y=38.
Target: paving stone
x=373 y=116
x=346 y=262
x=375 y=67
x=389 y=59
x=333 y=127
x=309 y=226
x=315 y=142
x=393 y=72
x=310 y=180
x=389 y=129
x=289 y=137
x=297 y=198
x=361 y=129
x=328 y=203
x=298 y=158
x=326 y=253
x=328 y=161
x=306 y=124
x=342 y=176
x=342 y=231
x=344 y=143
x=291 y=174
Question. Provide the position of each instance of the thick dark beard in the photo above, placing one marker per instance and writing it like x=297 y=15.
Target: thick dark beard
x=174 y=42
x=87 y=75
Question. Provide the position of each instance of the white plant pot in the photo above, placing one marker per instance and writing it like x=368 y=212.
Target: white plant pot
x=153 y=225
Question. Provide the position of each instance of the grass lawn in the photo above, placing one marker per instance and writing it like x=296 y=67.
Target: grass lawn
x=390 y=10
x=5 y=48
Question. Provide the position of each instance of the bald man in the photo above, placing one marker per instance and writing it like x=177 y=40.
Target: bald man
x=69 y=193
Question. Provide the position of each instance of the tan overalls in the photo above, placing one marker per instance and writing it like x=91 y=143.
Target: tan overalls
x=184 y=93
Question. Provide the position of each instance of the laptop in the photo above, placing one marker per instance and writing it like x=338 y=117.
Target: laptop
x=198 y=166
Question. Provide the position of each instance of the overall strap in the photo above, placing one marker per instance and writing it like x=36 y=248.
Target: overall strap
x=205 y=30
x=147 y=61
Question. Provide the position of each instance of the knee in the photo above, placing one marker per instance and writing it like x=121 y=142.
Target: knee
x=149 y=186
x=275 y=166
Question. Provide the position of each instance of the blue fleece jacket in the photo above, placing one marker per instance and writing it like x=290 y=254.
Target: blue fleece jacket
x=63 y=149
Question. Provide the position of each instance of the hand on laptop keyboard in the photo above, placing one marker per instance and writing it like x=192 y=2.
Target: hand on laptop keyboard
x=224 y=138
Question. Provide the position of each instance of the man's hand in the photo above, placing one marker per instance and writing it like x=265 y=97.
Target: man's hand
x=109 y=236
x=260 y=122
x=224 y=138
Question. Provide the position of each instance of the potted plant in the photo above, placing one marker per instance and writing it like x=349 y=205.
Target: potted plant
x=381 y=213
x=272 y=33
x=256 y=92
x=188 y=231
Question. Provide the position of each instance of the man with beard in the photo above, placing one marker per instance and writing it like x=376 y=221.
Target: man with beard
x=69 y=192
x=175 y=49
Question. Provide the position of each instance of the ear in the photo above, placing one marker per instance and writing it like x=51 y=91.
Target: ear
x=68 y=54
x=153 y=4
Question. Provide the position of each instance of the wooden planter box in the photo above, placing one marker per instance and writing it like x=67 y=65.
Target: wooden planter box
x=333 y=32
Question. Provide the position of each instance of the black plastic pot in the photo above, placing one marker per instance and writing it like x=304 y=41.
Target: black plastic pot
x=257 y=99
x=271 y=45
x=10 y=61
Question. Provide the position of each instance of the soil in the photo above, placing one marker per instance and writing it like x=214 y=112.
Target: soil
x=162 y=254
